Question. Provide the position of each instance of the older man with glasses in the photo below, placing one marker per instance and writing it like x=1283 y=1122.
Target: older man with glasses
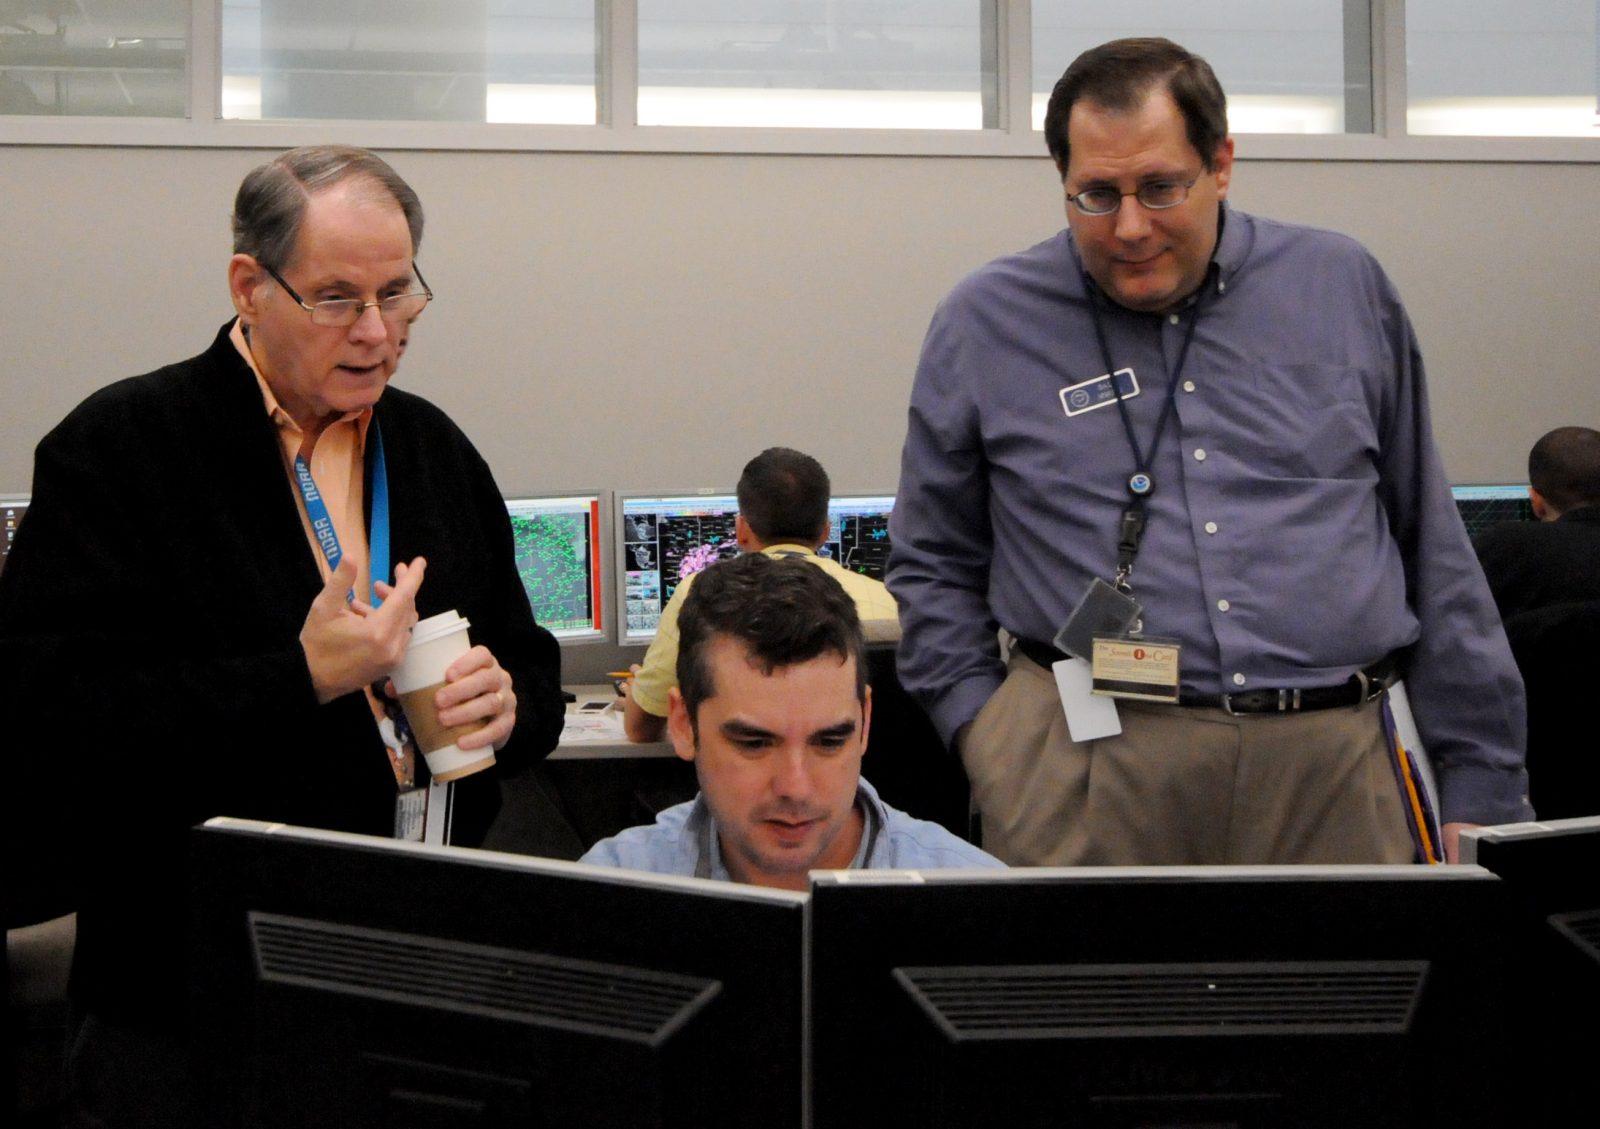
x=1181 y=455
x=220 y=565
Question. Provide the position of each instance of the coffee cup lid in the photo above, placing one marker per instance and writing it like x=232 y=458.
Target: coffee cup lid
x=436 y=625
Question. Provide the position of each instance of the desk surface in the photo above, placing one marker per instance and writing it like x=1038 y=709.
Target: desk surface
x=594 y=734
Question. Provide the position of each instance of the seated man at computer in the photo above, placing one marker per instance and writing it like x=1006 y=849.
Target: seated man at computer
x=1545 y=576
x=1553 y=560
x=773 y=709
x=783 y=512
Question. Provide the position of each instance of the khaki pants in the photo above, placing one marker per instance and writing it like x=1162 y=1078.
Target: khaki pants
x=1181 y=786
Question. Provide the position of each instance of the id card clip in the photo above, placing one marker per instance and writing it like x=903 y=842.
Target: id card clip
x=1104 y=610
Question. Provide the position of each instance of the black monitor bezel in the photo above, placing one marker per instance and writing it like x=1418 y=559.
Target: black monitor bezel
x=865 y=925
x=750 y=941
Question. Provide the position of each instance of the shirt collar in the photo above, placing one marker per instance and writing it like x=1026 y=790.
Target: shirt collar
x=789 y=549
x=1233 y=242
x=709 y=863
x=274 y=410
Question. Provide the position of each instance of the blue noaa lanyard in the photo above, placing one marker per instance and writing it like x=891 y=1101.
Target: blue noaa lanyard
x=322 y=524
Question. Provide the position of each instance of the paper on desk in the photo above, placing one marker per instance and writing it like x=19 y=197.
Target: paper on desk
x=597 y=727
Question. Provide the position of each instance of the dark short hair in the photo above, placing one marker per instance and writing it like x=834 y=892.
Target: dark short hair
x=1564 y=466
x=783 y=495
x=271 y=202
x=1120 y=75
x=784 y=610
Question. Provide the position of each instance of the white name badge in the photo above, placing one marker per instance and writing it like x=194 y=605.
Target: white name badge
x=1089 y=718
x=423 y=815
x=410 y=810
x=1087 y=395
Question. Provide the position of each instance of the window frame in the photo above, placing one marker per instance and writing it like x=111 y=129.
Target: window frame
x=619 y=132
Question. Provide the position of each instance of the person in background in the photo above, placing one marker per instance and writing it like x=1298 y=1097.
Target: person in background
x=1555 y=560
x=783 y=512
x=1545 y=576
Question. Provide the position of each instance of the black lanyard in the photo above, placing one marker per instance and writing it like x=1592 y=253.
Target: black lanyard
x=1140 y=483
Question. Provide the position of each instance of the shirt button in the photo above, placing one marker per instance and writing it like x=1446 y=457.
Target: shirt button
x=1199 y=454
x=1211 y=527
x=1238 y=680
x=1173 y=318
x=1188 y=386
x=1223 y=605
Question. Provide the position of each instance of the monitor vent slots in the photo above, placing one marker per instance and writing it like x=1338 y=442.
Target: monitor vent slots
x=1152 y=1000
x=534 y=989
x=1583 y=929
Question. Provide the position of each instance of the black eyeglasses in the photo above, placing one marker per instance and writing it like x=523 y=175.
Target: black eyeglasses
x=340 y=313
x=1155 y=194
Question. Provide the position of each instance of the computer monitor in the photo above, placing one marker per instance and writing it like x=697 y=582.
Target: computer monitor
x=558 y=544
x=1244 y=997
x=11 y=511
x=1481 y=506
x=1555 y=862
x=1552 y=868
x=342 y=980
x=661 y=538
x=858 y=532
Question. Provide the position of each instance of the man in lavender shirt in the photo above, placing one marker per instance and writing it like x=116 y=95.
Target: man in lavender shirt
x=1223 y=418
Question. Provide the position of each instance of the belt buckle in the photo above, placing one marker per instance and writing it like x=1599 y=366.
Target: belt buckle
x=1288 y=702
x=1364 y=684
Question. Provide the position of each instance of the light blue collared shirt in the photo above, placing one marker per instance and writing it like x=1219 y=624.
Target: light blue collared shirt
x=683 y=840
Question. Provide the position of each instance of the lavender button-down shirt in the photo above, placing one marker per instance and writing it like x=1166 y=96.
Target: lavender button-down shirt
x=1301 y=525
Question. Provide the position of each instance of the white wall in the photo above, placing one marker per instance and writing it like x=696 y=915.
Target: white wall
x=630 y=320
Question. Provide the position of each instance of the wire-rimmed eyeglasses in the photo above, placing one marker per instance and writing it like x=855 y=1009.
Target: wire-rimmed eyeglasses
x=1154 y=194
x=340 y=313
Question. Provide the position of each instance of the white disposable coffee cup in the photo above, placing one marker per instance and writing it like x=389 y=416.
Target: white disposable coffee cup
x=436 y=642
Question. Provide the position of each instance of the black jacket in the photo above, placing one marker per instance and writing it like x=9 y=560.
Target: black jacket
x=1533 y=564
x=150 y=612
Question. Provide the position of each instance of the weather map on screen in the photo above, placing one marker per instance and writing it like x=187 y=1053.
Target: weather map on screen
x=557 y=541
x=660 y=540
x=858 y=532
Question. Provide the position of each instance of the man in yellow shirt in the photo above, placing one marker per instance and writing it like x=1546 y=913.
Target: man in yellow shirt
x=783 y=512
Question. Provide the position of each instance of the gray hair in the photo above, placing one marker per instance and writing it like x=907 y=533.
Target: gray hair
x=272 y=199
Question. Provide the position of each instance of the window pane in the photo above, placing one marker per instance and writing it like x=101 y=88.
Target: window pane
x=1288 y=66
x=1498 y=69
x=95 y=58
x=409 y=60
x=867 y=64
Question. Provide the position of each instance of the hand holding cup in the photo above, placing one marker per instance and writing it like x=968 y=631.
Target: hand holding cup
x=448 y=714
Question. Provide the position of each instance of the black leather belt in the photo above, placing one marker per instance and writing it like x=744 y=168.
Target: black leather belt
x=1362 y=686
